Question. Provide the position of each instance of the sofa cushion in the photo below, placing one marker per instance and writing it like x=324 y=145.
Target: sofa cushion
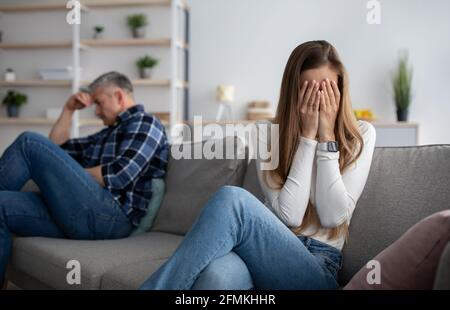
x=410 y=263
x=130 y=276
x=405 y=185
x=45 y=259
x=191 y=182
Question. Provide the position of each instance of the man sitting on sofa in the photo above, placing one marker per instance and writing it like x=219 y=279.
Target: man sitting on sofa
x=96 y=187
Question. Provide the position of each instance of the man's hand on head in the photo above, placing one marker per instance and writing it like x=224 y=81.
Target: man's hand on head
x=79 y=101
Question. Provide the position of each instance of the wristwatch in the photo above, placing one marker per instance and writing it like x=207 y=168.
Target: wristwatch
x=329 y=146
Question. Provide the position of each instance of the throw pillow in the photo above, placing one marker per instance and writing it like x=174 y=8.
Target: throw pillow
x=158 y=189
x=410 y=263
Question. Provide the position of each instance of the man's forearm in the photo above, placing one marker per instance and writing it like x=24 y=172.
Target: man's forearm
x=96 y=172
x=60 y=132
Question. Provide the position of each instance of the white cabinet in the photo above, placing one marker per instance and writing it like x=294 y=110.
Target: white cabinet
x=396 y=134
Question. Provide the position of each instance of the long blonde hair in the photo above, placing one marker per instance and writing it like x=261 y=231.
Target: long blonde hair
x=312 y=55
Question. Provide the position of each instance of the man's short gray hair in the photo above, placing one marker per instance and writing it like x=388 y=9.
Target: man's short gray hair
x=112 y=79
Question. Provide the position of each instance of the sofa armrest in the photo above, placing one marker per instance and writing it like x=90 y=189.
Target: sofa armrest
x=442 y=280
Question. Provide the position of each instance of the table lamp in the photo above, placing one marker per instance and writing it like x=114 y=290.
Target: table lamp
x=224 y=95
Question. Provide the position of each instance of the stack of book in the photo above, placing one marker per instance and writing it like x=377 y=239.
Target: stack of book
x=57 y=73
x=259 y=110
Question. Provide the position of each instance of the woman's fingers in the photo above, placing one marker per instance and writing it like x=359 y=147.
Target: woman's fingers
x=317 y=101
x=322 y=103
x=314 y=94
x=337 y=93
x=302 y=92
x=326 y=93
x=330 y=92
x=309 y=93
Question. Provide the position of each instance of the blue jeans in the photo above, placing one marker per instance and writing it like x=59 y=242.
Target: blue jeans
x=71 y=204
x=236 y=234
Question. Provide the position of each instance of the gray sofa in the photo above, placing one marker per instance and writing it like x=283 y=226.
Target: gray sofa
x=405 y=185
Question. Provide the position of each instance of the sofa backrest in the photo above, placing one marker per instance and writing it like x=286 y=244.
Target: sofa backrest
x=405 y=185
x=191 y=182
x=251 y=182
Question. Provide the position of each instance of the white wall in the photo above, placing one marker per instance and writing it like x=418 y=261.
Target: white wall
x=247 y=43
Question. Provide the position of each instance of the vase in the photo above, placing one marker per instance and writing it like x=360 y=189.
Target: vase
x=97 y=35
x=138 y=32
x=402 y=115
x=145 y=73
x=13 y=111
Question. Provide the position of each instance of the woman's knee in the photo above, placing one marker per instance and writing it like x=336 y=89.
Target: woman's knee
x=231 y=193
x=232 y=201
x=228 y=272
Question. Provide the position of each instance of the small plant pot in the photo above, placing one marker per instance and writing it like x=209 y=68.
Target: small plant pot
x=13 y=111
x=145 y=73
x=402 y=115
x=138 y=33
x=97 y=36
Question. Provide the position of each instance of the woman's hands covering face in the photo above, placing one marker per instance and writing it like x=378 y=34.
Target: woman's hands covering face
x=319 y=105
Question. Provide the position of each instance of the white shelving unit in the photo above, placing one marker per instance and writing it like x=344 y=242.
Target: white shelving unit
x=176 y=45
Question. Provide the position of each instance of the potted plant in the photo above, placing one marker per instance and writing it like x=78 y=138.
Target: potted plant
x=13 y=101
x=137 y=23
x=145 y=65
x=98 y=30
x=401 y=83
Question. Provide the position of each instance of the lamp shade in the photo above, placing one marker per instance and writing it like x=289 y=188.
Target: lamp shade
x=225 y=93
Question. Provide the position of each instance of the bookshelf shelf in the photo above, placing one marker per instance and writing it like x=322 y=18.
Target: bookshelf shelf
x=68 y=83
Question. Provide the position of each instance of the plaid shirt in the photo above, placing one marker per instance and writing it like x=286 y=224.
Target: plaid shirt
x=131 y=153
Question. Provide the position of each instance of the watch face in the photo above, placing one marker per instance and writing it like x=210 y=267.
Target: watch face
x=332 y=146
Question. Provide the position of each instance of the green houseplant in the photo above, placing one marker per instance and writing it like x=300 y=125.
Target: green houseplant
x=402 y=85
x=145 y=65
x=13 y=101
x=98 y=30
x=137 y=23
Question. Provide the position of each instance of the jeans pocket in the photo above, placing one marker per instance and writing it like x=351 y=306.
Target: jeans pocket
x=331 y=265
x=329 y=257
